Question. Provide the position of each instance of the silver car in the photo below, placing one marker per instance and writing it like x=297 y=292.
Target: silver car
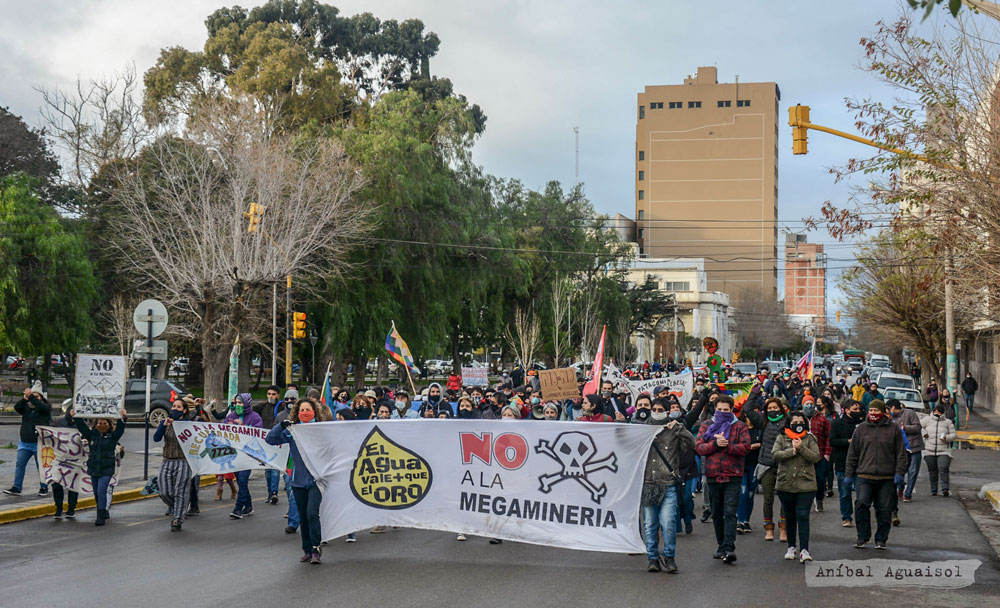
x=910 y=398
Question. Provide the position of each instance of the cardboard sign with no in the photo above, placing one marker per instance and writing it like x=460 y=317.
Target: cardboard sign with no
x=559 y=384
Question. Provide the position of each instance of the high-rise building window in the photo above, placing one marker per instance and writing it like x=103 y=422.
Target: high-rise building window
x=742 y=103
x=642 y=112
x=642 y=155
x=642 y=175
x=642 y=213
x=656 y=105
x=641 y=232
x=642 y=196
x=694 y=104
x=725 y=103
x=676 y=105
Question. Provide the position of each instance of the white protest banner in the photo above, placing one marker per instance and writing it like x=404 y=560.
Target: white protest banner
x=214 y=449
x=565 y=484
x=475 y=376
x=62 y=455
x=99 y=389
x=681 y=385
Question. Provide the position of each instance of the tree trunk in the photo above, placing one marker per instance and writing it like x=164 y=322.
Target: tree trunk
x=359 y=371
x=260 y=368
x=243 y=371
x=338 y=373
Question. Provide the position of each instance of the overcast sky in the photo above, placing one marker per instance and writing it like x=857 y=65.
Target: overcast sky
x=538 y=68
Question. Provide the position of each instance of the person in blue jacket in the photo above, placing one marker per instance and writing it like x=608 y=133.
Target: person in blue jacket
x=304 y=488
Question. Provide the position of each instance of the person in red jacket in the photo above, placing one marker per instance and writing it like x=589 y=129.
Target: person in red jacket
x=819 y=426
x=593 y=410
x=723 y=443
x=454 y=382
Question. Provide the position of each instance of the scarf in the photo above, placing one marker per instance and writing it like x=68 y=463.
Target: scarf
x=793 y=435
x=721 y=423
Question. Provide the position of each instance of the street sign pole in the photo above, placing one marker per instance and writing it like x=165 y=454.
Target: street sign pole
x=149 y=377
x=150 y=319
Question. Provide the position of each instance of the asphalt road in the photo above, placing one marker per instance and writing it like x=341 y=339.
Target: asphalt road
x=216 y=561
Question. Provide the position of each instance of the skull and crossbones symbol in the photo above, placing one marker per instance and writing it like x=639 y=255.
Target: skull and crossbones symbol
x=576 y=452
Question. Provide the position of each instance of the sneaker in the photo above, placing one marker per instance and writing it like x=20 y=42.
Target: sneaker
x=739 y=527
x=57 y=515
x=654 y=566
x=907 y=499
x=705 y=516
x=804 y=556
x=669 y=565
x=746 y=528
x=934 y=493
x=819 y=506
x=193 y=511
x=847 y=523
x=719 y=554
x=688 y=528
x=236 y=515
x=895 y=518
x=70 y=515
x=496 y=541
x=314 y=559
x=13 y=491
x=169 y=513
x=247 y=511
x=729 y=558
x=790 y=553
x=351 y=538
x=175 y=526
x=829 y=493
x=377 y=530
x=899 y=494
x=861 y=544
x=43 y=491
x=880 y=544
x=324 y=543
x=290 y=530
x=305 y=558
x=460 y=537
x=945 y=493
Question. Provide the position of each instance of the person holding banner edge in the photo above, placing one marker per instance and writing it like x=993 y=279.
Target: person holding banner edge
x=175 y=473
x=241 y=412
x=304 y=488
x=103 y=441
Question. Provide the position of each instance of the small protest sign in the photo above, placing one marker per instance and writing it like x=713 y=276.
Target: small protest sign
x=558 y=384
x=99 y=390
x=475 y=376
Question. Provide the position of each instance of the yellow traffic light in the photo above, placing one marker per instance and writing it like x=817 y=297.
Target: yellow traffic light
x=255 y=214
x=838 y=316
x=798 y=116
x=298 y=325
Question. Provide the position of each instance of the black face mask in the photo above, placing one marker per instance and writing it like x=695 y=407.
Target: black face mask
x=434 y=398
x=176 y=414
x=856 y=415
x=466 y=413
x=797 y=427
x=363 y=413
x=642 y=415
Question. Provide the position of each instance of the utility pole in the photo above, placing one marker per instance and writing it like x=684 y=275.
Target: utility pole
x=576 y=134
x=951 y=359
x=274 y=334
x=288 y=330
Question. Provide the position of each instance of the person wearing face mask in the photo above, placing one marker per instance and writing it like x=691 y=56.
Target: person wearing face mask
x=796 y=451
x=858 y=390
x=402 y=407
x=267 y=410
x=877 y=459
x=175 y=474
x=748 y=485
x=969 y=388
x=909 y=421
x=723 y=443
x=434 y=396
x=593 y=410
x=551 y=411
x=643 y=406
x=535 y=405
x=950 y=409
x=241 y=412
x=767 y=469
x=103 y=441
x=938 y=432
x=840 y=440
x=689 y=471
x=343 y=400
x=307 y=494
x=510 y=413
x=661 y=482
x=931 y=394
x=613 y=406
x=491 y=406
x=466 y=409
x=819 y=426
x=871 y=395
x=362 y=407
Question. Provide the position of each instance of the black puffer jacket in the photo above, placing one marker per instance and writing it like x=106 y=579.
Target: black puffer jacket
x=34 y=411
x=101 y=462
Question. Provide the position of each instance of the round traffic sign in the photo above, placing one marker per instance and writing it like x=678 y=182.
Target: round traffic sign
x=141 y=317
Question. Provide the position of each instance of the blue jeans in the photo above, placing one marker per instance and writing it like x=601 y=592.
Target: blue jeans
x=748 y=491
x=912 y=471
x=969 y=400
x=663 y=517
x=685 y=503
x=25 y=452
x=102 y=494
x=271 y=476
x=293 y=510
x=846 y=503
x=243 y=504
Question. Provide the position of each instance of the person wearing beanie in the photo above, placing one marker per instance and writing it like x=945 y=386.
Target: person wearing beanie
x=241 y=412
x=876 y=462
x=35 y=411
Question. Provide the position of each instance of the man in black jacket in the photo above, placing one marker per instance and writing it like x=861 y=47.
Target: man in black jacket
x=34 y=411
x=969 y=388
x=840 y=440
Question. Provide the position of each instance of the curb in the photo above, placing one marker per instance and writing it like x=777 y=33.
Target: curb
x=35 y=511
x=993 y=497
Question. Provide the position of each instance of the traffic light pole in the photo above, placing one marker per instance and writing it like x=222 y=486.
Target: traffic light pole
x=288 y=330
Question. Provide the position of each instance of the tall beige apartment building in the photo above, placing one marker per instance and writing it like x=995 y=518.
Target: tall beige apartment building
x=706 y=179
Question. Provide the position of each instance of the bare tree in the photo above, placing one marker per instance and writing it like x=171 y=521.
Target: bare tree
x=117 y=319
x=760 y=320
x=100 y=122
x=185 y=230
x=560 y=307
x=621 y=346
x=525 y=338
x=589 y=319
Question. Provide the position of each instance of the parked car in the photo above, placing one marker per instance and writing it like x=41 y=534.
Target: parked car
x=887 y=380
x=775 y=367
x=746 y=368
x=909 y=397
x=180 y=365
x=162 y=394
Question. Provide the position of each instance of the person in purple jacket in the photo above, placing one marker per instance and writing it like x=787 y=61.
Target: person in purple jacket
x=241 y=412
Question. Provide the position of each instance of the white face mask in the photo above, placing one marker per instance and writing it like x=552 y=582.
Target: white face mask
x=400 y=405
x=658 y=415
x=506 y=419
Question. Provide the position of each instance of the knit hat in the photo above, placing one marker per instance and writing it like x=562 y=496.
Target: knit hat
x=37 y=387
x=292 y=394
x=877 y=404
x=808 y=399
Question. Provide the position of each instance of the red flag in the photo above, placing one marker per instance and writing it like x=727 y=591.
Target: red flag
x=593 y=386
